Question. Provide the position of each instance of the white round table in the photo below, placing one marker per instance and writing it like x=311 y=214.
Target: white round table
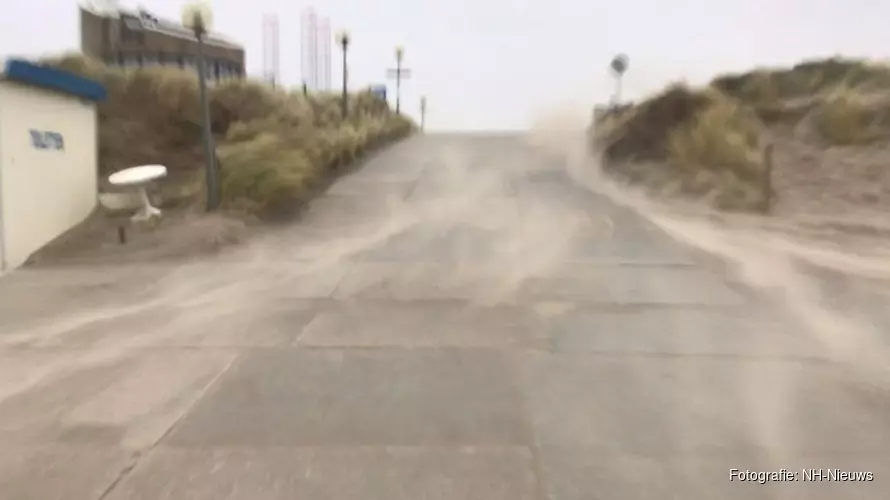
x=139 y=178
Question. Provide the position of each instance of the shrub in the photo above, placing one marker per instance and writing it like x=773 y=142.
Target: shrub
x=722 y=136
x=275 y=146
x=693 y=141
x=642 y=132
x=706 y=141
x=843 y=119
x=265 y=176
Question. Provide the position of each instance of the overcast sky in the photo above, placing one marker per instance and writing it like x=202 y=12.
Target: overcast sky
x=493 y=64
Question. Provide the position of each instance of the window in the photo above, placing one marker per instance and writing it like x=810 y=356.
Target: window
x=131 y=61
x=131 y=34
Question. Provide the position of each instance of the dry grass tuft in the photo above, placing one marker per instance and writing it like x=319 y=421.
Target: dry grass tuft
x=693 y=141
x=843 y=119
x=689 y=128
x=723 y=135
x=850 y=118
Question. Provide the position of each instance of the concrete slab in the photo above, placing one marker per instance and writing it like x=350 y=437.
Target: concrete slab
x=380 y=397
x=414 y=243
x=396 y=166
x=110 y=398
x=583 y=474
x=69 y=291
x=632 y=285
x=435 y=184
x=425 y=324
x=279 y=325
x=357 y=185
x=407 y=281
x=223 y=323
x=297 y=282
x=435 y=244
x=332 y=474
x=710 y=331
x=348 y=211
x=59 y=472
x=688 y=404
x=609 y=247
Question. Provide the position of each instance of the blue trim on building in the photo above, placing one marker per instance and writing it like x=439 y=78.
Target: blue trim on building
x=53 y=79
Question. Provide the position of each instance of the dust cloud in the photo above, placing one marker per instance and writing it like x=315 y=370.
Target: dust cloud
x=461 y=232
x=776 y=257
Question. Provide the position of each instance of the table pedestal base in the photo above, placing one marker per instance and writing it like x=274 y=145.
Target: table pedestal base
x=147 y=211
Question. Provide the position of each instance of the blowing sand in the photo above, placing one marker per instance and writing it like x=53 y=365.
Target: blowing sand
x=793 y=258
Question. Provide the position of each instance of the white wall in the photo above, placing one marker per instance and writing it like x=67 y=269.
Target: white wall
x=43 y=192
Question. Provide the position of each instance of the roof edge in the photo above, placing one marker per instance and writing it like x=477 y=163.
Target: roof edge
x=58 y=80
x=170 y=28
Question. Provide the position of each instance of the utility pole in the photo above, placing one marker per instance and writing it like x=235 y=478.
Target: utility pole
x=399 y=72
x=343 y=40
x=422 y=113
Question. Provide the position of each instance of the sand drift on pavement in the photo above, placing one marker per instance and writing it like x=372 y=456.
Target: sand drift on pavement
x=766 y=254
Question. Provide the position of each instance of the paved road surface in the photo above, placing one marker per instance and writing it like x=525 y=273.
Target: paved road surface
x=455 y=321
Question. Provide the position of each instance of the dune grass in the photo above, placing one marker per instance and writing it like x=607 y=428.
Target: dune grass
x=708 y=139
x=276 y=147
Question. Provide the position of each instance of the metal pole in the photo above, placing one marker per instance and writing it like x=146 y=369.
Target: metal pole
x=345 y=94
x=209 y=157
x=422 y=113
x=618 y=90
x=398 y=82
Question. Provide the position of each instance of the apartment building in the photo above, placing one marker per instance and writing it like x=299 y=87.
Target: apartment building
x=127 y=38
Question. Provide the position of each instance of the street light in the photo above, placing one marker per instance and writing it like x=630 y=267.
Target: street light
x=198 y=17
x=422 y=113
x=343 y=40
x=398 y=72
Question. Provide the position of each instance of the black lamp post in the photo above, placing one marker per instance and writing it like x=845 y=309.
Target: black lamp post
x=343 y=40
x=398 y=73
x=197 y=17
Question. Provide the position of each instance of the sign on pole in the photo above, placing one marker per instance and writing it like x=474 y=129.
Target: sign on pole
x=619 y=64
x=619 y=67
x=404 y=73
